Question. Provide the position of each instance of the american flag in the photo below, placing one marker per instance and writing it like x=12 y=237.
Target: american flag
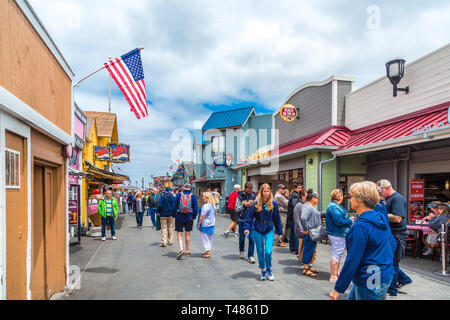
x=128 y=73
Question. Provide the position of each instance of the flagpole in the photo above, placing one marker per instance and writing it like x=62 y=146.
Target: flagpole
x=109 y=101
x=91 y=74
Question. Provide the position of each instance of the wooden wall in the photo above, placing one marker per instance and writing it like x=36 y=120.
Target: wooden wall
x=29 y=70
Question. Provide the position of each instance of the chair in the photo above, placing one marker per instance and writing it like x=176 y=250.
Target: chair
x=413 y=242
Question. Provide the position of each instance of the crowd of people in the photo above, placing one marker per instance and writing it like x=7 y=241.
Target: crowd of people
x=373 y=239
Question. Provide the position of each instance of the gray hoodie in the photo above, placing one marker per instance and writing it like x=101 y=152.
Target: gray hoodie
x=310 y=218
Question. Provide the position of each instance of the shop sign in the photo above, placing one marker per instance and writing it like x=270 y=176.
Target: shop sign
x=417 y=199
x=289 y=113
x=120 y=152
x=102 y=153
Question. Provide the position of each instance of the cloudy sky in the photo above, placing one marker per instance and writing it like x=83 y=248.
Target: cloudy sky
x=204 y=56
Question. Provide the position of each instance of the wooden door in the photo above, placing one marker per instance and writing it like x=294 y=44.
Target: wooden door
x=16 y=216
x=38 y=250
x=50 y=232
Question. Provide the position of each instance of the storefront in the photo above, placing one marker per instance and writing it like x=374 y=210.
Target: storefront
x=407 y=139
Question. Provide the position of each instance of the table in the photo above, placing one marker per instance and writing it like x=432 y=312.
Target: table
x=421 y=229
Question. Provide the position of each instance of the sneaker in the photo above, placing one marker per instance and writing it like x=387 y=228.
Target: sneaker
x=236 y=234
x=263 y=275
x=226 y=233
x=270 y=275
x=103 y=239
x=241 y=255
x=114 y=238
x=429 y=252
x=402 y=285
x=251 y=260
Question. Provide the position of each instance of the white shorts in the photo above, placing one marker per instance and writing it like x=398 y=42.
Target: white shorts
x=338 y=247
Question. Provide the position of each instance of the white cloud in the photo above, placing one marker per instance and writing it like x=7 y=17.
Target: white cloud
x=202 y=52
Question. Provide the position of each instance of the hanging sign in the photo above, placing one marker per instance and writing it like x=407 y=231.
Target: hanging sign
x=102 y=153
x=289 y=113
x=417 y=199
x=120 y=152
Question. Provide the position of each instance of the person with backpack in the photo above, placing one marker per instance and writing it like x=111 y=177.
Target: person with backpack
x=186 y=212
x=166 y=212
x=152 y=202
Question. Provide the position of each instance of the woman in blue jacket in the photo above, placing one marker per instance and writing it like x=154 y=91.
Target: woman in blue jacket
x=370 y=249
x=338 y=225
x=264 y=216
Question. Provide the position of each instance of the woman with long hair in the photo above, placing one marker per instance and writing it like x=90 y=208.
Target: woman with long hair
x=264 y=215
x=206 y=223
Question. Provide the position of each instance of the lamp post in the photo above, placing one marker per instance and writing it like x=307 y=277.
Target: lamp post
x=395 y=70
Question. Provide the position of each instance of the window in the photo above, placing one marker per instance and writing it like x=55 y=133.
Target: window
x=218 y=144
x=12 y=168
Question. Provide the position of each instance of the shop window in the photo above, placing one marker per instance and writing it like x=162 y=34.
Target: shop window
x=12 y=169
x=218 y=145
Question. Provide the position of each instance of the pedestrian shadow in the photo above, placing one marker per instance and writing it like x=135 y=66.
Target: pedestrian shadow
x=244 y=275
x=103 y=270
x=292 y=270
x=171 y=255
x=231 y=257
x=281 y=250
x=155 y=244
x=290 y=262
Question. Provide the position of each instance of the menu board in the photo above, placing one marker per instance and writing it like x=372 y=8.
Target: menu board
x=417 y=200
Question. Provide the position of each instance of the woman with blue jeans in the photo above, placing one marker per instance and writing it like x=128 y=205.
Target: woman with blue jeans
x=263 y=216
x=370 y=249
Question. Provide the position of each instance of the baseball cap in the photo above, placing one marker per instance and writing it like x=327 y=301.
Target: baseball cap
x=384 y=183
x=188 y=186
x=281 y=186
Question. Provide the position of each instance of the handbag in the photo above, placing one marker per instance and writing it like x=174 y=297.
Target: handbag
x=158 y=223
x=318 y=234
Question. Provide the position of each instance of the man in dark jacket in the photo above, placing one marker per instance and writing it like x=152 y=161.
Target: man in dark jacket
x=166 y=211
x=244 y=202
x=294 y=199
x=152 y=202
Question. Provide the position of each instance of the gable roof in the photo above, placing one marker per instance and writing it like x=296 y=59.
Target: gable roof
x=228 y=119
x=104 y=121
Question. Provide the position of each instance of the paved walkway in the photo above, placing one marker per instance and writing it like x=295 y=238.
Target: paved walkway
x=135 y=268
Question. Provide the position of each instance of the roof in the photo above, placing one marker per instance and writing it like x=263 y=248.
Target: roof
x=399 y=127
x=228 y=119
x=331 y=137
x=104 y=122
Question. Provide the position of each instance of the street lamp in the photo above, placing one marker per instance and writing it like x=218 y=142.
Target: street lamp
x=395 y=71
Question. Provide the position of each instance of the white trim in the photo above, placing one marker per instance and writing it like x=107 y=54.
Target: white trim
x=33 y=18
x=20 y=110
x=334 y=104
x=7 y=122
x=317 y=84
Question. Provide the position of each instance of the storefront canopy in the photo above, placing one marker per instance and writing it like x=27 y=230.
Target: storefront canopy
x=117 y=178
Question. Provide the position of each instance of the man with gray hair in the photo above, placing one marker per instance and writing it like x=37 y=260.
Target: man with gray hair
x=232 y=210
x=397 y=216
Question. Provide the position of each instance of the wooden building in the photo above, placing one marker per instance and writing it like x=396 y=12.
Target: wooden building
x=36 y=109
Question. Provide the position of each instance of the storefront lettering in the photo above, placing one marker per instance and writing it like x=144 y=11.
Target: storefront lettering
x=427 y=128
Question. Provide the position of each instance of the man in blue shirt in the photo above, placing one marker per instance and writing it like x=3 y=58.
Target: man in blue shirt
x=244 y=203
x=187 y=209
x=397 y=216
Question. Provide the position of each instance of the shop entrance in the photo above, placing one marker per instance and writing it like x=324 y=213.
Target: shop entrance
x=46 y=276
x=437 y=187
x=16 y=216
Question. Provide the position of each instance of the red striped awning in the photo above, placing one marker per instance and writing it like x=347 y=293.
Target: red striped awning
x=404 y=126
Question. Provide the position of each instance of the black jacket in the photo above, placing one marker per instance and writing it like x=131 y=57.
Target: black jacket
x=293 y=200
x=151 y=202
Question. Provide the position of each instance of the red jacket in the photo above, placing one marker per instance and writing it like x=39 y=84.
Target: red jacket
x=232 y=200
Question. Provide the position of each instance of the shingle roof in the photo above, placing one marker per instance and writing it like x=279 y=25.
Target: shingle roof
x=228 y=119
x=104 y=121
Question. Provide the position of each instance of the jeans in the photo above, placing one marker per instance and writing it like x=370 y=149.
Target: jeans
x=309 y=247
x=124 y=205
x=130 y=206
x=264 y=246
x=139 y=218
x=358 y=293
x=293 y=238
x=153 y=215
x=112 y=224
x=251 y=242
x=399 y=276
